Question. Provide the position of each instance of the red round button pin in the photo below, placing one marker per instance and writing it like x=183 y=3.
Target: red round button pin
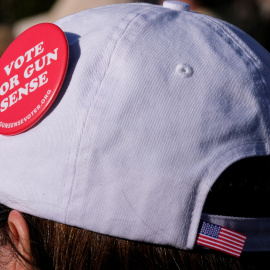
x=32 y=71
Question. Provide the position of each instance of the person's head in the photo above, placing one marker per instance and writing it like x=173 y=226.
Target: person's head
x=45 y=244
x=158 y=102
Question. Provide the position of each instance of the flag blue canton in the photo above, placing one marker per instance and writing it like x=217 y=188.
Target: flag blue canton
x=211 y=230
x=222 y=239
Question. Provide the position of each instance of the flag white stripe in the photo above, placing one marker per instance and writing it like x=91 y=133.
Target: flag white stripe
x=232 y=236
x=232 y=232
x=216 y=243
x=225 y=242
x=240 y=245
x=223 y=249
x=225 y=238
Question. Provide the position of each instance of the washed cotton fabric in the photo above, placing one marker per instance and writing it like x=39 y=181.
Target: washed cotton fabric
x=158 y=101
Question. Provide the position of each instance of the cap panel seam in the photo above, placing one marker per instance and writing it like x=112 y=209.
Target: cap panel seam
x=236 y=41
x=80 y=139
x=250 y=58
x=232 y=36
x=99 y=88
x=72 y=138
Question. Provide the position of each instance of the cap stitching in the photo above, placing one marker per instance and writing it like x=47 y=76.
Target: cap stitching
x=231 y=35
x=246 y=51
x=226 y=34
x=135 y=17
x=255 y=61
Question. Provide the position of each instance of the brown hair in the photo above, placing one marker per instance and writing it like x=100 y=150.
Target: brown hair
x=62 y=247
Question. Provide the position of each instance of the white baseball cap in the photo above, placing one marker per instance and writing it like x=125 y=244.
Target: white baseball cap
x=158 y=101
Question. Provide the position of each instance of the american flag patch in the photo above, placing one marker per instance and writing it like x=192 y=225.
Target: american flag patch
x=222 y=239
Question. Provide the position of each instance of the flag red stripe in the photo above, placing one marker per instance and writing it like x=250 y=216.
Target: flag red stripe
x=222 y=239
x=230 y=241
x=221 y=249
x=207 y=238
x=240 y=235
x=230 y=236
x=220 y=244
x=236 y=254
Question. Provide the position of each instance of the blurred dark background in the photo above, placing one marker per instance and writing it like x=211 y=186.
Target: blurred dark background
x=252 y=16
x=12 y=10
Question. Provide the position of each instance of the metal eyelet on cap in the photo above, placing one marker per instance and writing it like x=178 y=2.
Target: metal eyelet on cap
x=177 y=5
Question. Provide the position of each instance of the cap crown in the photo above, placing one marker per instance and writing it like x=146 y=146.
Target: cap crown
x=157 y=102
